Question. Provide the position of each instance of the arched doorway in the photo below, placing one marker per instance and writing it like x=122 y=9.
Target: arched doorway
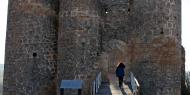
x=115 y=52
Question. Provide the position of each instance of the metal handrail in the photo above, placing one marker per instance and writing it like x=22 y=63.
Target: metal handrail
x=134 y=83
x=96 y=83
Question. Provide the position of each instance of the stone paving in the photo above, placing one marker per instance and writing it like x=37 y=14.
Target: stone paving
x=112 y=87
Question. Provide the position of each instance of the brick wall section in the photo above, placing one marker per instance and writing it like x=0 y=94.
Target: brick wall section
x=30 y=48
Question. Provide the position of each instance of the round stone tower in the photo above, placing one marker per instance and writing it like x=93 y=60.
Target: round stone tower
x=30 y=55
x=152 y=31
x=78 y=41
x=156 y=42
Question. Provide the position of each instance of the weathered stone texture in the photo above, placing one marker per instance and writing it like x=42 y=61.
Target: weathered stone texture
x=152 y=31
x=156 y=45
x=78 y=40
x=158 y=69
x=30 y=62
x=51 y=40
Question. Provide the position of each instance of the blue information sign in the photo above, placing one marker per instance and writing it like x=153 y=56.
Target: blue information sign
x=71 y=84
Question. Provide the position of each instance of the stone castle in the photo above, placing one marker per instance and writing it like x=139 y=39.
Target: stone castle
x=51 y=40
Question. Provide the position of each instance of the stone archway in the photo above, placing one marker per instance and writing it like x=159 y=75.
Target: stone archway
x=115 y=52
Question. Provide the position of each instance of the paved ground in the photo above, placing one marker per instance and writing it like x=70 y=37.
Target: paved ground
x=112 y=88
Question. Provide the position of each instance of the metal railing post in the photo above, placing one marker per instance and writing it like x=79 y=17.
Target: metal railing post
x=96 y=83
x=79 y=91
x=62 y=91
x=134 y=83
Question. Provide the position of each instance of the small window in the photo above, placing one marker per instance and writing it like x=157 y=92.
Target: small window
x=162 y=31
x=129 y=10
x=34 y=54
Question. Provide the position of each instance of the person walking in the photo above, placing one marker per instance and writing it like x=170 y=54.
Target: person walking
x=120 y=73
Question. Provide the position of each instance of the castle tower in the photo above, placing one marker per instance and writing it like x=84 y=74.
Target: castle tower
x=156 y=45
x=152 y=31
x=51 y=40
x=30 y=55
x=78 y=41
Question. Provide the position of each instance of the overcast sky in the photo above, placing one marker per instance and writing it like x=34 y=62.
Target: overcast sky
x=185 y=29
x=3 y=21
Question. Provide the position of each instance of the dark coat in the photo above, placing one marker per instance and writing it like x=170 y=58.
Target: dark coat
x=120 y=70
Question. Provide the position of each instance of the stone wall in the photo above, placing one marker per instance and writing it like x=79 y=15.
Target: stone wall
x=152 y=31
x=78 y=41
x=158 y=76
x=30 y=55
x=156 y=45
x=51 y=40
